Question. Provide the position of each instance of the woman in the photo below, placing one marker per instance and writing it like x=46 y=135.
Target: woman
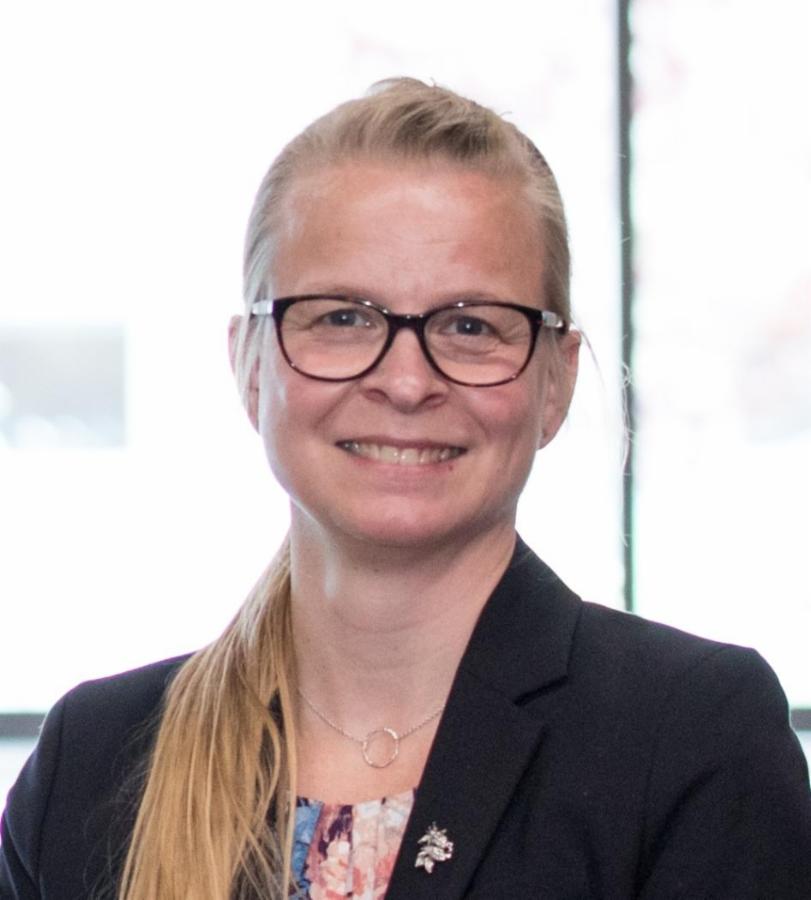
x=452 y=720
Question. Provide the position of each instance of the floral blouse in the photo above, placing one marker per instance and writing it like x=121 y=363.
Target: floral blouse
x=348 y=851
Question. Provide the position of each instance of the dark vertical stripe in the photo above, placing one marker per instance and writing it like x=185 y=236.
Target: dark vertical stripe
x=624 y=98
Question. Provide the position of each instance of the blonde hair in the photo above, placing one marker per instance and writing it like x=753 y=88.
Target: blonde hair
x=217 y=814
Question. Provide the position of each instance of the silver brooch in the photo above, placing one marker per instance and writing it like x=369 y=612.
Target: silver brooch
x=437 y=848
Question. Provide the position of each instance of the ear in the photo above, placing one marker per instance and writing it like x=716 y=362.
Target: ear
x=250 y=398
x=561 y=379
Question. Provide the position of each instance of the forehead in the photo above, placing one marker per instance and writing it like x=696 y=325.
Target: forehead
x=412 y=228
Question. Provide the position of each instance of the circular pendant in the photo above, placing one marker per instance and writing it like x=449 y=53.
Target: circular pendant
x=378 y=761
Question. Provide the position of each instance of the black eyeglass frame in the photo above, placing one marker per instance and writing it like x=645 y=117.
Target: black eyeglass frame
x=416 y=322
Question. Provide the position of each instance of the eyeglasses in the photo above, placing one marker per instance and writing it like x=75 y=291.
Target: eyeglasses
x=474 y=343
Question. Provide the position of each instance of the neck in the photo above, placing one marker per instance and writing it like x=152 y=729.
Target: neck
x=379 y=631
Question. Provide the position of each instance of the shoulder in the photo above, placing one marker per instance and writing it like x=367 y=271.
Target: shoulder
x=88 y=727
x=101 y=729
x=722 y=780
x=630 y=644
x=648 y=673
x=612 y=650
x=535 y=631
x=118 y=701
x=705 y=737
x=70 y=802
x=98 y=719
x=96 y=716
x=675 y=676
x=689 y=737
x=657 y=698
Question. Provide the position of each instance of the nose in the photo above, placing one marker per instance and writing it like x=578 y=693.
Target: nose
x=404 y=377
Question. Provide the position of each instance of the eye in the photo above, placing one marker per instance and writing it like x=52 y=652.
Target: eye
x=472 y=326
x=344 y=318
x=330 y=314
x=333 y=320
x=463 y=324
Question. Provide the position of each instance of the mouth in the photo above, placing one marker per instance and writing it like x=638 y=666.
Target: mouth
x=421 y=455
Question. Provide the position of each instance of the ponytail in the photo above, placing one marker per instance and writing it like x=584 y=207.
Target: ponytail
x=216 y=817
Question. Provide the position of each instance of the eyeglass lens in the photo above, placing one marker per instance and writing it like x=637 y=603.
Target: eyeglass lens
x=341 y=338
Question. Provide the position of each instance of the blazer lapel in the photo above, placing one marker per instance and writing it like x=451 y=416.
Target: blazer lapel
x=486 y=739
x=481 y=751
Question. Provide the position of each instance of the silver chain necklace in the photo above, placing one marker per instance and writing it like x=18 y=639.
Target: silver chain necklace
x=376 y=734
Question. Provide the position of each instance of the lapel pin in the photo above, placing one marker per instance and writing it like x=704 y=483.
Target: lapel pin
x=437 y=848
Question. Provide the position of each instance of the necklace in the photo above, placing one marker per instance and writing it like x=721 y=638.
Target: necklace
x=374 y=736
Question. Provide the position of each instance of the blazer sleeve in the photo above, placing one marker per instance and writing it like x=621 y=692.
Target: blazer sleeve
x=728 y=793
x=21 y=826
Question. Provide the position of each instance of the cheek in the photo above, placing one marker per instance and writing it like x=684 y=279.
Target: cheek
x=294 y=411
x=512 y=416
x=272 y=401
x=277 y=423
x=281 y=390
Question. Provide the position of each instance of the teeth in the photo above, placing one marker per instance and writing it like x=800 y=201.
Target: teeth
x=388 y=454
x=401 y=456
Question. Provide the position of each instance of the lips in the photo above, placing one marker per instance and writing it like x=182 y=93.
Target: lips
x=418 y=455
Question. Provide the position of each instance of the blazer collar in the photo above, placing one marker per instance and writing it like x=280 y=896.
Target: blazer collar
x=485 y=739
x=523 y=637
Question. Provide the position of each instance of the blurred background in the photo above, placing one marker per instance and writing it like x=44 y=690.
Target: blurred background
x=136 y=509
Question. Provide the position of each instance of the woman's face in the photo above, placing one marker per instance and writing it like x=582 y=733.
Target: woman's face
x=402 y=456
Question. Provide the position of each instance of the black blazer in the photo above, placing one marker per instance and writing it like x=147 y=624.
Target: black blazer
x=583 y=753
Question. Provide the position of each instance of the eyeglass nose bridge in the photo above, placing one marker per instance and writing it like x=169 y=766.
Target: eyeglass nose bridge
x=397 y=322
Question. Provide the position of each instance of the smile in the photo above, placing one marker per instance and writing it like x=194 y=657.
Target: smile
x=401 y=456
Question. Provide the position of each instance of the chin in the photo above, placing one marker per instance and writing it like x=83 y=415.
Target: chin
x=414 y=532
x=397 y=535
